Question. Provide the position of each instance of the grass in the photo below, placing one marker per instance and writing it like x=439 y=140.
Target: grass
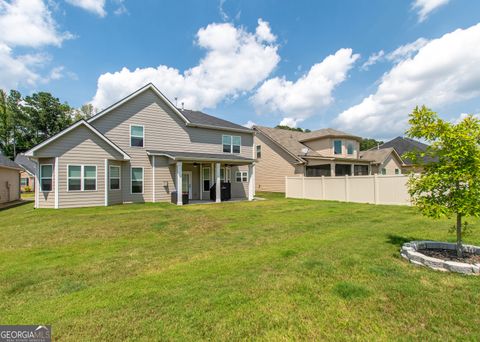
x=279 y=269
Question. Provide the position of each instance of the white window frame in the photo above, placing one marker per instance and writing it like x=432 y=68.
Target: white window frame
x=82 y=178
x=353 y=148
x=209 y=178
x=258 y=149
x=131 y=180
x=41 y=178
x=243 y=176
x=110 y=177
x=397 y=172
x=231 y=143
x=341 y=147
x=143 y=135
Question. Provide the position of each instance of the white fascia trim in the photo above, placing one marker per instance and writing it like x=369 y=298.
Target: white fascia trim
x=135 y=93
x=30 y=152
x=201 y=159
x=221 y=128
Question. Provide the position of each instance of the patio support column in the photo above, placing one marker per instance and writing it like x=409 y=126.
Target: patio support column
x=352 y=170
x=200 y=177
x=218 y=195
x=179 y=183
x=332 y=169
x=251 y=181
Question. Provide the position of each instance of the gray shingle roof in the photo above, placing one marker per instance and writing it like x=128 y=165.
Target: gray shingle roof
x=199 y=156
x=403 y=145
x=377 y=155
x=327 y=132
x=289 y=140
x=26 y=163
x=6 y=162
x=202 y=118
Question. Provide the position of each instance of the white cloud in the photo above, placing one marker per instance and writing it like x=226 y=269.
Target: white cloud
x=407 y=50
x=313 y=91
x=17 y=70
x=235 y=62
x=463 y=116
x=121 y=8
x=444 y=71
x=249 y=124
x=373 y=59
x=221 y=11
x=95 y=6
x=29 y=23
x=290 y=122
x=425 y=7
x=263 y=31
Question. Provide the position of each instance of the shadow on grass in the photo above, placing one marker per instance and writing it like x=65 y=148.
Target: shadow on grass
x=398 y=240
x=14 y=204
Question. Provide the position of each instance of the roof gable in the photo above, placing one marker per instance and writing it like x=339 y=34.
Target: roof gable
x=30 y=153
x=26 y=163
x=9 y=164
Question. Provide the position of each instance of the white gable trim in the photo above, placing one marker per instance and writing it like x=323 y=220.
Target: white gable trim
x=30 y=152
x=135 y=93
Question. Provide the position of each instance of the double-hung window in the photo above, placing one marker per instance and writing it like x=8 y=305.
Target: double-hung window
x=46 y=172
x=259 y=151
x=350 y=148
x=74 y=177
x=82 y=178
x=24 y=182
x=231 y=144
x=241 y=176
x=136 y=136
x=137 y=180
x=206 y=179
x=337 y=147
x=114 y=177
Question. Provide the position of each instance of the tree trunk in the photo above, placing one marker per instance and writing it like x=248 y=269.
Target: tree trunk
x=459 y=236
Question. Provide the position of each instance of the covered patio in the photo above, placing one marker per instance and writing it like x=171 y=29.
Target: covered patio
x=207 y=177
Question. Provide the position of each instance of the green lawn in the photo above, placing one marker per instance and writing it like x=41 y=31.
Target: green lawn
x=271 y=270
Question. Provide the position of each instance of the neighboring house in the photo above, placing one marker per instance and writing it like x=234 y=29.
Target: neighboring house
x=143 y=149
x=325 y=152
x=386 y=161
x=9 y=180
x=27 y=176
x=403 y=145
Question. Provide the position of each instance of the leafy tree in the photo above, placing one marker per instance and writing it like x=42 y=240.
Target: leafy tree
x=450 y=183
x=46 y=116
x=368 y=143
x=296 y=129
x=86 y=111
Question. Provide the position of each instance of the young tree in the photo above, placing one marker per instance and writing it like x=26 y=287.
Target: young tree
x=450 y=183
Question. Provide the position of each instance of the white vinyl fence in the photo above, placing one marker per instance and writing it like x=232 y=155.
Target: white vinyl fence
x=363 y=189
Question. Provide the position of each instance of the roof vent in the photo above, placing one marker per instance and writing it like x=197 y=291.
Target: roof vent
x=183 y=105
x=305 y=150
x=176 y=99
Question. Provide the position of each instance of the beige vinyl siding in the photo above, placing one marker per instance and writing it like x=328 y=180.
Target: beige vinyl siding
x=390 y=164
x=164 y=179
x=46 y=199
x=163 y=130
x=273 y=166
x=321 y=146
x=115 y=196
x=79 y=147
x=239 y=190
x=325 y=147
x=12 y=178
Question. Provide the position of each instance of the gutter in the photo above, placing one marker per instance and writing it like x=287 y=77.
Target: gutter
x=221 y=128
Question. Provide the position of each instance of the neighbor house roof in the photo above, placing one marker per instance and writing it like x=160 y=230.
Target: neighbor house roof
x=403 y=145
x=292 y=141
x=328 y=133
x=26 y=163
x=9 y=164
x=175 y=155
x=378 y=156
x=30 y=152
x=190 y=117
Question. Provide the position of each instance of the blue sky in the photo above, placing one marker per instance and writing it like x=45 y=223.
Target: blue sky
x=253 y=61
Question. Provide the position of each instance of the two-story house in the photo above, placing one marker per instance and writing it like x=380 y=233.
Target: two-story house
x=144 y=149
x=325 y=152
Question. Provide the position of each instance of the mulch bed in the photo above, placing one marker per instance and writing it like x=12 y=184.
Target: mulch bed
x=451 y=255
